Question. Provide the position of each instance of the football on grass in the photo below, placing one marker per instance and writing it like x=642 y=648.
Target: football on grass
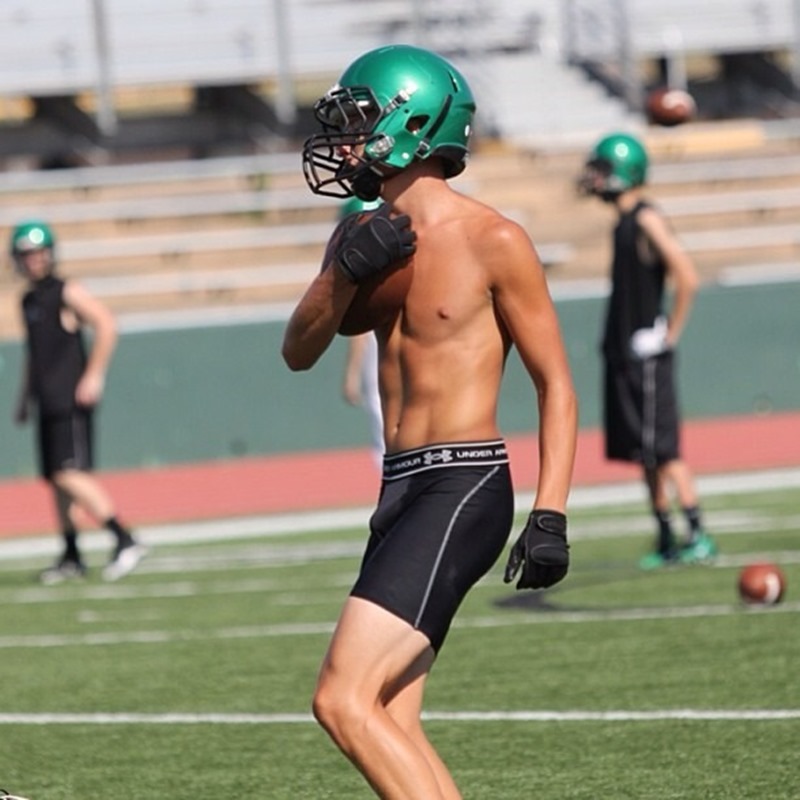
x=761 y=584
x=670 y=107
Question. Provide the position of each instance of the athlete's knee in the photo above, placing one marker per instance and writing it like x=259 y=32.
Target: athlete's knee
x=340 y=711
x=61 y=480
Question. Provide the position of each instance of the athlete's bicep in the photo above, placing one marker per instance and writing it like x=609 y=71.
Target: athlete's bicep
x=87 y=307
x=523 y=301
x=661 y=236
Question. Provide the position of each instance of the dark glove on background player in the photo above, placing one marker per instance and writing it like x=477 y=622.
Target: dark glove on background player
x=541 y=550
x=366 y=248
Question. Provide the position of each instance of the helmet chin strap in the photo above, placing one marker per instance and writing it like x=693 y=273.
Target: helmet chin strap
x=367 y=185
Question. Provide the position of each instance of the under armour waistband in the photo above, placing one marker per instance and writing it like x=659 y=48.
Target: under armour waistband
x=438 y=456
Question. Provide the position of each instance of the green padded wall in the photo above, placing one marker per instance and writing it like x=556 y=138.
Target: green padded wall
x=198 y=394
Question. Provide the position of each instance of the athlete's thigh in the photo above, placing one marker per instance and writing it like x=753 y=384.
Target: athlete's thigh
x=403 y=699
x=431 y=543
x=372 y=649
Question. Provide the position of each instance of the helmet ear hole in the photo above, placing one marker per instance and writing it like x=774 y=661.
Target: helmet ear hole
x=417 y=123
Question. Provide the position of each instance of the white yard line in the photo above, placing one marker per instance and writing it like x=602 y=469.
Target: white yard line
x=276 y=525
x=115 y=638
x=678 y=714
x=280 y=591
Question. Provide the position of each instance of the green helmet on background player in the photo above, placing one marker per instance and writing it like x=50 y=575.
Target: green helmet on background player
x=392 y=106
x=618 y=162
x=31 y=235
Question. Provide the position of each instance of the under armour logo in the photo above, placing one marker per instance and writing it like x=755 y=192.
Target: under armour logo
x=432 y=457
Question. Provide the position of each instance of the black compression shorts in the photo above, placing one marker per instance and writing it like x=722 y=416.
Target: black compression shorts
x=443 y=519
x=65 y=442
x=641 y=411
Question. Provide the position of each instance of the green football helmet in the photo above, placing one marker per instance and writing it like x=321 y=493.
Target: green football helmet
x=28 y=236
x=31 y=235
x=392 y=106
x=617 y=163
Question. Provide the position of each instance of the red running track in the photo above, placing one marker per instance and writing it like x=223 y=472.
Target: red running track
x=348 y=478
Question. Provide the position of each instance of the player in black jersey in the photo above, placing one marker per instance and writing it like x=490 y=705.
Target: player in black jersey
x=642 y=418
x=65 y=381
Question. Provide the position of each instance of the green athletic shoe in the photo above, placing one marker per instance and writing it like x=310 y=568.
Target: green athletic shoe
x=657 y=560
x=702 y=549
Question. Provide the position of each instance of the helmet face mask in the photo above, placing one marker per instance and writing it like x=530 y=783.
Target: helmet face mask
x=342 y=156
x=617 y=163
x=392 y=106
x=349 y=110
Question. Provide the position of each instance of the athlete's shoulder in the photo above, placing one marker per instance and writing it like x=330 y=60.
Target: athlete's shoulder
x=491 y=227
x=654 y=222
x=502 y=245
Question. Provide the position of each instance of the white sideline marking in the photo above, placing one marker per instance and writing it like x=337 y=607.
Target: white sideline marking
x=260 y=527
x=282 y=592
x=681 y=714
x=164 y=637
x=612 y=716
x=106 y=638
x=181 y=589
x=623 y=615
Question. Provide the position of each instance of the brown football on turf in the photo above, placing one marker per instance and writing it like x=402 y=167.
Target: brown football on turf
x=761 y=584
x=670 y=106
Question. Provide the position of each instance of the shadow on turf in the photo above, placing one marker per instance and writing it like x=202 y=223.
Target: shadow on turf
x=529 y=601
x=543 y=600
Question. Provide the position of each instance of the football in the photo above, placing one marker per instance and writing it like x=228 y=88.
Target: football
x=761 y=584
x=670 y=107
x=378 y=300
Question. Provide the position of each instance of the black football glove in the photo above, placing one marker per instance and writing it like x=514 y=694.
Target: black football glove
x=366 y=248
x=541 y=550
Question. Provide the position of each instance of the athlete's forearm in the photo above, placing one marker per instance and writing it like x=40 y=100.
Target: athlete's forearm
x=316 y=319
x=558 y=425
x=681 y=308
x=105 y=342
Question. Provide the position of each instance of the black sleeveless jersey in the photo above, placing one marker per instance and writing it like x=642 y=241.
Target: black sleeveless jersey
x=57 y=356
x=637 y=286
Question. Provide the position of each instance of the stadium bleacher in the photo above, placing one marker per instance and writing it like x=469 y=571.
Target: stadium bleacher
x=225 y=247
x=243 y=228
x=246 y=169
x=655 y=28
x=50 y=46
x=512 y=52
